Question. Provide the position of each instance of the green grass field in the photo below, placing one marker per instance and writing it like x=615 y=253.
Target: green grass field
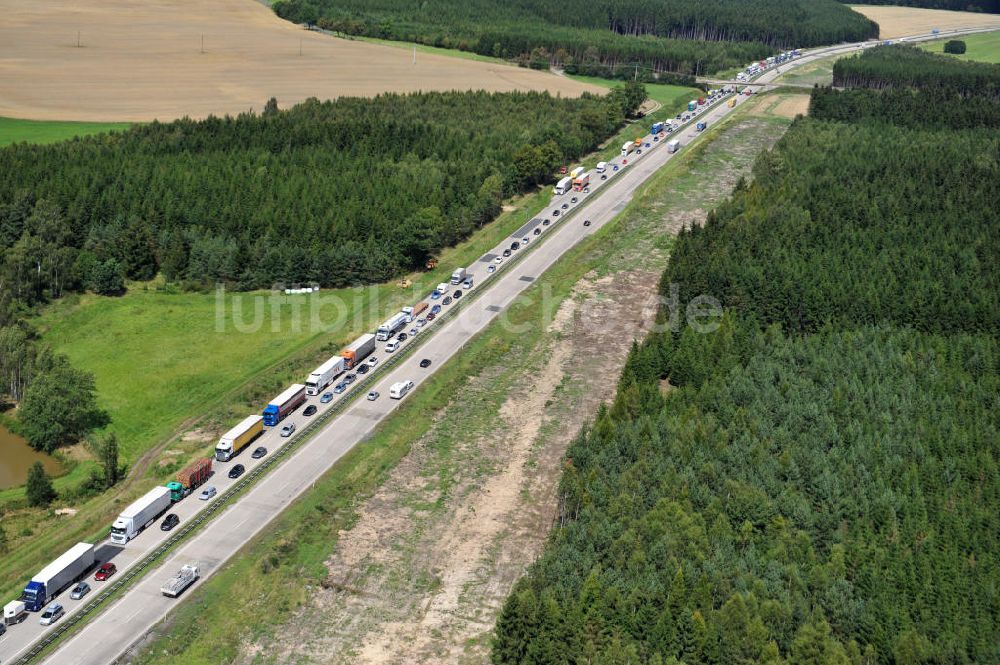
x=984 y=47
x=13 y=130
x=423 y=48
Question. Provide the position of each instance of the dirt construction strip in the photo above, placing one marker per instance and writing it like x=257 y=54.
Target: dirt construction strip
x=143 y=60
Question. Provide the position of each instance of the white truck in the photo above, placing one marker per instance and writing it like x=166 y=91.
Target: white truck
x=140 y=514
x=627 y=148
x=55 y=577
x=673 y=146
x=459 y=275
x=391 y=326
x=184 y=578
x=324 y=375
x=14 y=612
x=399 y=390
x=575 y=173
x=602 y=167
x=563 y=186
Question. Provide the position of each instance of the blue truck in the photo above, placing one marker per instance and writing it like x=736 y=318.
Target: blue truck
x=701 y=126
x=657 y=127
x=283 y=404
x=57 y=576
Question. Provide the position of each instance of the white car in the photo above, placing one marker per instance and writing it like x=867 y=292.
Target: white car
x=372 y=361
x=525 y=240
x=288 y=430
x=51 y=614
x=207 y=493
x=421 y=323
x=391 y=346
x=491 y=269
x=498 y=259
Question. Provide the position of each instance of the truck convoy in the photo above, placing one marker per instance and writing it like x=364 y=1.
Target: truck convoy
x=190 y=477
x=324 y=375
x=582 y=181
x=284 y=404
x=140 y=514
x=56 y=577
x=184 y=578
x=239 y=437
x=359 y=349
x=563 y=186
x=459 y=275
x=391 y=326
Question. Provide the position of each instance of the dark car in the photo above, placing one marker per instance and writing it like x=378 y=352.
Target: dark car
x=506 y=253
x=638 y=151
x=310 y=410
x=573 y=200
x=545 y=222
x=237 y=471
x=259 y=452
x=586 y=222
x=105 y=572
x=457 y=295
x=514 y=246
x=425 y=363
x=349 y=379
x=538 y=231
x=363 y=368
x=401 y=337
x=678 y=116
x=169 y=522
x=555 y=213
x=565 y=205
x=604 y=176
x=430 y=317
x=446 y=301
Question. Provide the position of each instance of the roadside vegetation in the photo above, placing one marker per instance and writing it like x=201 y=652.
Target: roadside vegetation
x=606 y=40
x=814 y=481
x=452 y=437
x=983 y=47
x=14 y=130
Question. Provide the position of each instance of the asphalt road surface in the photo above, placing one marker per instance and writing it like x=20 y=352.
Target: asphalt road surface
x=112 y=631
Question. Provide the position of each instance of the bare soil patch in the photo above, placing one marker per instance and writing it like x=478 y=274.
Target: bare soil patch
x=790 y=106
x=143 y=60
x=902 y=21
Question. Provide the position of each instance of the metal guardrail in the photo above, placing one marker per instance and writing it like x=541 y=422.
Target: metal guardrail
x=305 y=434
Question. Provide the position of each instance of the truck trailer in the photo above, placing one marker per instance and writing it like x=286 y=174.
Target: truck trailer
x=190 y=477
x=673 y=146
x=563 y=186
x=283 y=404
x=581 y=182
x=359 y=349
x=692 y=105
x=140 y=514
x=14 y=612
x=627 y=148
x=324 y=375
x=239 y=437
x=184 y=578
x=391 y=326
x=459 y=275
x=57 y=576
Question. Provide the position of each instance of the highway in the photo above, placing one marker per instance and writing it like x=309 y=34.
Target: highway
x=112 y=631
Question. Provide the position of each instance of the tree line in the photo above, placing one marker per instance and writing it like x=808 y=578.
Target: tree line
x=665 y=34
x=814 y=482
x=908 y=67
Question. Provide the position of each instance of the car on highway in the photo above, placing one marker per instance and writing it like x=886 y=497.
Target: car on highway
x=363 y=368
x=349 y=378
x=425 y=363
x=436 y=309
x=51 y=614
x=373 y=395
x=413 y=332
x=615 y=167
x=79 y=591
x=555 y=213
x=565 y=206
x=431 y=316
x=493 y=269
x=326 y=398
x=525 y=240
x=514 y=246
x=238 y=470
x=289 y=429
x=604 y=176
x=435 y=294
x=391 y=347
x=105 y=572
x=498 y=259
x=647 y=145
x=208 y=493
x=169 y=522
x=457 y=295
x=537 y=232
x=310 y=410
x=467 y=284
x=573 y=200
x=402 y=337
x=339 y=388
x=259 y=452
x=423 y=322
x=446 y=301
x=373 y=360
x=506 y=253
x=586 y=222
x=638 y=151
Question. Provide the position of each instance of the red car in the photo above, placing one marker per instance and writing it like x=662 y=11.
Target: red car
x=105 y=572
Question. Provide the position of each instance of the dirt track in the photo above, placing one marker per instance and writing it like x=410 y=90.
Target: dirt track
x=901 y=21
x=141 y=60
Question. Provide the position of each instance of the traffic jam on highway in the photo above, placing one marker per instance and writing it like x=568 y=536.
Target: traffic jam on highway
x=258 y=436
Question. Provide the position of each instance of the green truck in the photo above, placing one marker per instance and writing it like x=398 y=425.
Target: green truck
x=189 y=478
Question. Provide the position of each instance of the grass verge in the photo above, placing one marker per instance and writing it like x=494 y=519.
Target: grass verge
x=15 y=130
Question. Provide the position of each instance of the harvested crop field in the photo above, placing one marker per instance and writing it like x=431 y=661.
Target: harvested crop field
x=902 y=21
x=140 y=61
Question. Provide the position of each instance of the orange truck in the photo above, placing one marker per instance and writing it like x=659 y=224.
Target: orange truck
x=189 y=478
x=358 y=350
